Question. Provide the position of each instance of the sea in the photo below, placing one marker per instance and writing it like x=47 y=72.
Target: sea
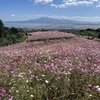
x=23 y=25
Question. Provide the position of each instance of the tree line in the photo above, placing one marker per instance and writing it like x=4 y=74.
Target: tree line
x=95 y=33
x=11 y=35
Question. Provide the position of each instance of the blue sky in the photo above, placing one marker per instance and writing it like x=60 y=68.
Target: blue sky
x=84 y=10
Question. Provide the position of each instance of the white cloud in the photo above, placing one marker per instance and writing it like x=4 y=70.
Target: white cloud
x=94 y=0
x=77 y=18
x=12 y=15
x=54 y=5
x=98 y=6
x=67 y=3
x=43 y=1
x=23 y=16
x=85 y=18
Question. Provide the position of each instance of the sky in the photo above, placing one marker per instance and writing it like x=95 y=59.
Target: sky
x=81 y=10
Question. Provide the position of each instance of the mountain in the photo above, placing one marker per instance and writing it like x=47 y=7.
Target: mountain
x=50 y=23
x=46 y=20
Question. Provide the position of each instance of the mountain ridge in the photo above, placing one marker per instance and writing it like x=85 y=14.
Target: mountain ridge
x=47 y=20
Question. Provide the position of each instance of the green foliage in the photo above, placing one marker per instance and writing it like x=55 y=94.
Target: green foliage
x=14 y=30
x=89 y=32
x=1 y=23
x=11 y=35
x=99 y=35
x=3 y=41
x=98 y=30
x=1 y=28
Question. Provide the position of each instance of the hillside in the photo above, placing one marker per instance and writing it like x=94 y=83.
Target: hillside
x=11 y=35
x=49 y=37
x=54 y=69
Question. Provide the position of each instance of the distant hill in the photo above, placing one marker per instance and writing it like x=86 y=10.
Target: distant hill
x=50 y=23
x=47 y=20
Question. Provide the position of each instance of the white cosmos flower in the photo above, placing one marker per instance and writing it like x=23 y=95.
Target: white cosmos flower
x=97 y=86
x=43 y=75
x=46 y=81
x=98 y=89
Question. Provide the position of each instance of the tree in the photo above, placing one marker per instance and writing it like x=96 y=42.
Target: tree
x=99 y=35
x=89 y=29
x=11 y=35
x=98 y=30
x=14 y=30
x=1 y=23
x=1 y=28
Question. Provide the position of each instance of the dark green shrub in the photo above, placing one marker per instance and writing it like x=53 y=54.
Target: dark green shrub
x=11 y=35
x=99 y=35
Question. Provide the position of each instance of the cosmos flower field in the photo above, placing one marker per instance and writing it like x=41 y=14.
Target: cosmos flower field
x=64 y=69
